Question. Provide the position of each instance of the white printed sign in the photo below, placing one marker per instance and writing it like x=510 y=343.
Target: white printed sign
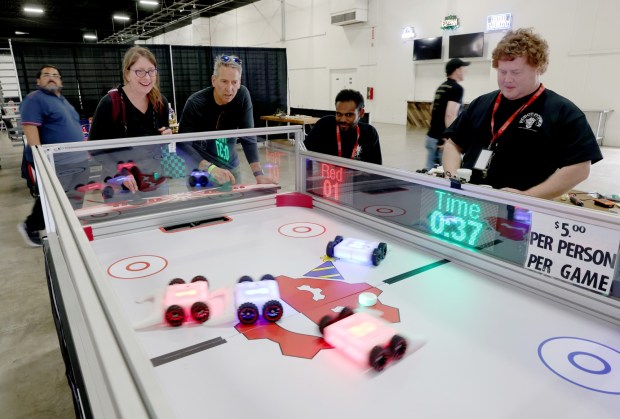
x=499 y=22
x=579 y=253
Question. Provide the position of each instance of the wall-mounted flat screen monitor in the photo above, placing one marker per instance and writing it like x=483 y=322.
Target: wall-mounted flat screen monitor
x=427 y=48
x=466 y=45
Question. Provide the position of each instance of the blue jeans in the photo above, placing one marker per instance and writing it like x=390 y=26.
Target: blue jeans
x=434 y=153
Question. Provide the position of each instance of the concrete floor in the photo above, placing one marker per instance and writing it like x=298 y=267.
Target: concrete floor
x=32 y=380
x=32 y=372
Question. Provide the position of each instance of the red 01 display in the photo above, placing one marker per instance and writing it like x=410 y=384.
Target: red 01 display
x=333 y=177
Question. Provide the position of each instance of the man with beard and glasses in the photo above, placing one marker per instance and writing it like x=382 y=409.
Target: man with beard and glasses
x=343 y=134
x=48 y=118
x=226 y=105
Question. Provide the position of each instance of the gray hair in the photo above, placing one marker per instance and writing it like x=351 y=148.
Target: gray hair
x=224 y=60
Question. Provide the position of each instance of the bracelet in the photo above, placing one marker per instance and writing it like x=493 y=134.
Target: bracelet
x=211 y=168
x=259 y=173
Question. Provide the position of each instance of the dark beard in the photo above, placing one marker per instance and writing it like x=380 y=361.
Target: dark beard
x=54 y=88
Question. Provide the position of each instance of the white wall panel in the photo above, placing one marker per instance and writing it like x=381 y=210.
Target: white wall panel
x=585 y=48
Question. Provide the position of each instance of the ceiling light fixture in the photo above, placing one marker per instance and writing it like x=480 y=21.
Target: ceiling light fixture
x=90 y=36
x=149 y=3
x=21 y=33
x=121 y=17
x=30 y=9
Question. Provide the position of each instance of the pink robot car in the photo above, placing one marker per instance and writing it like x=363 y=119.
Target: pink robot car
x=366 y=339
x=253 y=298
x=184 y=301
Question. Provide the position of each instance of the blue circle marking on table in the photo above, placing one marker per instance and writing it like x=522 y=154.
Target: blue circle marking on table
x=606 y=367
x=583 y=362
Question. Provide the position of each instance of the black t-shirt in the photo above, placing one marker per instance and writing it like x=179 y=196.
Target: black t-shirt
x=322 y=139
x=139 y=124
x=549 y=134
x=448 y=91
x=202 y=113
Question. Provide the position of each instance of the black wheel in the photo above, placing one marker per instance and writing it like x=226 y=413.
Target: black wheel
x=176 y=281
x=272 y=311
x=338 y=239
x=108 y=192
x=175 y=316
x=383 y=247
x=247 y=313
x=330 y=249
x=78 y=186
x=192 y=181
x=200 y=278
x=324 y=322
x=398 y=346
x=91 y=182
x=106 y=179
x=267 y=277
x=378 y=358
x=245 y=278
x=377 y=257
x=345 y=312
x=203 y=180
x=200 y=311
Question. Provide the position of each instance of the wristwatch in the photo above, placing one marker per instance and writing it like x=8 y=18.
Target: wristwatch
x=259 y=173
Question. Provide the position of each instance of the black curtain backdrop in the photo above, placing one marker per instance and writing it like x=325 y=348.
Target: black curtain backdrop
x=98 y=70
x=192 y=72
x=89 y=71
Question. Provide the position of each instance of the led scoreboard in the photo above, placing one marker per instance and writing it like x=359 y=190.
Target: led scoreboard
x=446 y=214
x=458 y=219
x=331 y=182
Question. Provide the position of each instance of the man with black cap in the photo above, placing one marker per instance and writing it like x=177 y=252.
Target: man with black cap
x=446 y=107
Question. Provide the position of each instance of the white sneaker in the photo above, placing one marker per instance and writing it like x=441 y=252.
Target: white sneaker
x=31 y=238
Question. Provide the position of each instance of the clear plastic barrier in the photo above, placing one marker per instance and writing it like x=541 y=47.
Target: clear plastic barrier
x=556 y=247
x=105 y=179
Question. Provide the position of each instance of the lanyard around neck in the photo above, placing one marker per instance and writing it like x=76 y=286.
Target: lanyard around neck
x=513 y=116
x=340 y=141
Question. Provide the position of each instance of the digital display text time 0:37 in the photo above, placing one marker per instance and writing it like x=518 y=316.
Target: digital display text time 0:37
x=457 y=219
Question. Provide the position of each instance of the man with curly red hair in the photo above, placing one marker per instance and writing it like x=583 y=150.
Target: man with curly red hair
x=523 y=137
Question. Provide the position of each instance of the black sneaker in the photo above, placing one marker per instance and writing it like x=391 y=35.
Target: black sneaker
x=31 y=238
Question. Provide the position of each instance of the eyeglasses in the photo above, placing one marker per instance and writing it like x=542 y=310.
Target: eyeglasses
x=228 y=58
x=51 y=76
x=142 y=73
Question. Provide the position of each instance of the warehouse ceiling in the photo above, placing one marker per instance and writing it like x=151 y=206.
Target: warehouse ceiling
x=69 y=21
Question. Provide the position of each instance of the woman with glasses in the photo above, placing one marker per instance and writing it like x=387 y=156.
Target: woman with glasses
x=137 y=108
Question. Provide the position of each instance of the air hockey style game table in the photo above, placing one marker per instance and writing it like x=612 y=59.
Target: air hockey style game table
x=508 y=305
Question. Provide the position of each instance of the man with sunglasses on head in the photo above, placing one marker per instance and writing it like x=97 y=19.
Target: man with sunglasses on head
x=343 y=135
x=48 y=118
x=226 y=105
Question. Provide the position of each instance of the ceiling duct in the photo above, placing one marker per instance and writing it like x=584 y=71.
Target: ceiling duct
x=348 y=12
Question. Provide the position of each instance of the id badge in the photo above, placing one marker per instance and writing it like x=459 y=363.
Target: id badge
x=484 y=159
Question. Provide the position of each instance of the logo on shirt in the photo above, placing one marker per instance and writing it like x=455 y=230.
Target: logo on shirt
x=531 y=121
x=358 y=153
